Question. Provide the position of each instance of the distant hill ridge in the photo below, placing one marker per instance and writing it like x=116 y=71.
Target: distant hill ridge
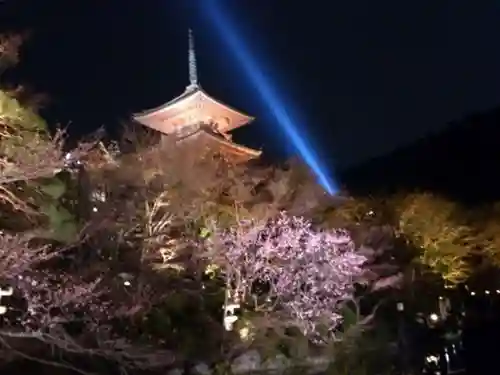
x=462 y=161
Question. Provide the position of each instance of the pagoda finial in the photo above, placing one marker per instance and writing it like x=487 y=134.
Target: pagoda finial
x=193 y=73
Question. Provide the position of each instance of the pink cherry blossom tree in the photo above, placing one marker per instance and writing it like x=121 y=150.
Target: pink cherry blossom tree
x=287 y=269
x=70 y=314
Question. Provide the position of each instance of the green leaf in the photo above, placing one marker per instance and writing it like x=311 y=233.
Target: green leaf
x=49 y=210
x=12 y=112
x=54 y=189
x=349 y=317
x=62 y=224
x=66 y=232
x=56 y=214
x=204 y=233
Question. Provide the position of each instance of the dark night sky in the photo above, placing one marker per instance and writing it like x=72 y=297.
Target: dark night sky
x=365 y=76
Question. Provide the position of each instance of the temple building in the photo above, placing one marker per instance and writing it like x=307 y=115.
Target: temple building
x=196 y=116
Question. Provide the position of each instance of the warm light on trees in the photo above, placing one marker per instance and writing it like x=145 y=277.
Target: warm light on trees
x=94 y=263
x=297 y=275
x=438 y=228
x=54 y=309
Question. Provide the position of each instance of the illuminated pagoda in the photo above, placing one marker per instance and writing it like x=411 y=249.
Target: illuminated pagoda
x=195 y=115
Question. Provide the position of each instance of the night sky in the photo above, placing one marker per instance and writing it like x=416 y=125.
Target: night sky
x=363 y=77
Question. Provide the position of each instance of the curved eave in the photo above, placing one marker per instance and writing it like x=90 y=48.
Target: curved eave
x=189 y=94
x=245 y=119
x=235 y=148
x=165 y=106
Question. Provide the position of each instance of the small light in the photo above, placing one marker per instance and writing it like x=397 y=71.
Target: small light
x=127 y=283
x=487 y=292
x=244 y=333
x=472 y=293
x=434 y=317
x=498 y=291
x=94 y=209
x=441 y=297
x=229 y=322
x=7 y=292
x=432 y=359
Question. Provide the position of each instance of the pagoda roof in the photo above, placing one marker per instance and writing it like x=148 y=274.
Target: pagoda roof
x=220 y=142
x=194 y=98
x=188 y=93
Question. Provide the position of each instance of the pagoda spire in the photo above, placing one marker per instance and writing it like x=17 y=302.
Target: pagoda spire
x=193 y=71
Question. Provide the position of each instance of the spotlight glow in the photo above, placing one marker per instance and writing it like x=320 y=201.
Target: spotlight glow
x=276 y=106
x=434 y=317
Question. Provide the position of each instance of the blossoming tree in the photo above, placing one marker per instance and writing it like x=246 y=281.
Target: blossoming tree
x=287 y=270
x=52 y=310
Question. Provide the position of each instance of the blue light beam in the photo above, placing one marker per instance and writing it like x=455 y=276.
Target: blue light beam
x=276 y=106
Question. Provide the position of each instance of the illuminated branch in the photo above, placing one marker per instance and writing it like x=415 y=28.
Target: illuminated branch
x=287 y=269
x=51 y=300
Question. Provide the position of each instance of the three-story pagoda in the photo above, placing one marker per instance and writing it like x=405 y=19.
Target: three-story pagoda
x=195 y=115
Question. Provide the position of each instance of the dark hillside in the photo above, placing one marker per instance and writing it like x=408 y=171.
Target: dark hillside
x=462 y=161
